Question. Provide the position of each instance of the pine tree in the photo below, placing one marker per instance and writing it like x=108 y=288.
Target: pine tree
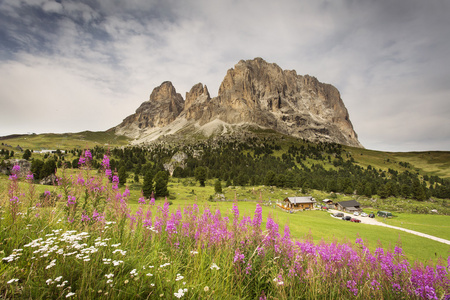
x=26 y=154
x=229 y=183
x=122 y=175
x=405 y=191
x=418 y=192
x=270 y=178
x=161 y=182
x=218 y=187
x=147 y=187
x=200 y=175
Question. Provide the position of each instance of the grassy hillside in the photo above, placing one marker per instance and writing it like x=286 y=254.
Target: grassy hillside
x=85 y=139
x=427 y=162
x=432 y=162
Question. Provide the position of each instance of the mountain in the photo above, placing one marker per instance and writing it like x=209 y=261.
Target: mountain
x=253 y=93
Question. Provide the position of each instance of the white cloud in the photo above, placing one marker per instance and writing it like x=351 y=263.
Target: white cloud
x=52 y=7
x=57 y=100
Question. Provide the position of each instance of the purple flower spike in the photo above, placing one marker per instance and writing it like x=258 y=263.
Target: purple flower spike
x=141 y=200
x=81 y=161
x=88 y=155
x=105 y=162
x=238 y=256
x=257 y=219
x=16 y=169
x=71 y=200
x=85 y=218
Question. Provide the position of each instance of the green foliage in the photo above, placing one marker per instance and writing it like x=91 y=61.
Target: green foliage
x=36 y=167
x=26 y=154
x=147 y=187
x=269 y=180
x=218 y=187
x=49 y=168
x=178 y=172
x=122 y=175
x=418 y=191
x=200 y=175
x=161 y=181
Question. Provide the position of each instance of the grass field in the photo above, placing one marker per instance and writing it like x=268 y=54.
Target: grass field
x=318 y=225
x=432 y=162
x=436 y=225
x=81 y=140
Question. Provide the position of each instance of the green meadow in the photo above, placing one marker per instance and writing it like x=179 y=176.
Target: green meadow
x=317 y=225
x=66 y=141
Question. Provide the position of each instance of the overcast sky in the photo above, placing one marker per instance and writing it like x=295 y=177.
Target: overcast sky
x=69 y=66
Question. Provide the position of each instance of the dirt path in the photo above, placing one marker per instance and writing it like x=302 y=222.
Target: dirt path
x=370 y=221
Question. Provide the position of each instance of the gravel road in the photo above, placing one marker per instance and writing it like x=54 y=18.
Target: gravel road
x=374 y=221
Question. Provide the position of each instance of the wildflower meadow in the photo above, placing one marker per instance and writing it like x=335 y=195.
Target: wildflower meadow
x=82 y=240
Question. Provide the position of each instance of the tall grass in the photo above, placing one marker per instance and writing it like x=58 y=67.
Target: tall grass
x=84 y=242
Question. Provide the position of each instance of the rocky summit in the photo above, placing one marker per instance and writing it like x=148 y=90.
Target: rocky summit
x=253 y=93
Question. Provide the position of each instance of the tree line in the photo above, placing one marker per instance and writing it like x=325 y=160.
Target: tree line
x=258 y=161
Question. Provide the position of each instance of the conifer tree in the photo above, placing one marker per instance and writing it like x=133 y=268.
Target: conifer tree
x=147 y=187
x=161 y=182
x=218 y=187
x=200 y=175
x=122 y=176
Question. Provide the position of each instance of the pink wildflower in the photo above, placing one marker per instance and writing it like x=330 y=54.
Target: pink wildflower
x=105 y=162
x=71 y=200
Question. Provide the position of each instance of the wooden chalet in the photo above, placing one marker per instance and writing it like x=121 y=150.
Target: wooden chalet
x=299 y=202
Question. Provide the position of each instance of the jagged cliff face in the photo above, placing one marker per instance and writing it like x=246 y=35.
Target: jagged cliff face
x=163 y=107
x=253 y=92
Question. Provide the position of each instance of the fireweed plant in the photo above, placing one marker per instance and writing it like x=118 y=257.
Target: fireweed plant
x=82 y=241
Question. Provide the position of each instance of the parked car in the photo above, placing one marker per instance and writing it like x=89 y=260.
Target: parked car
x=364 y=214
x=372 y=215
x=338 y=215
x=356 y=213
x=346 y=218
x=355 y=220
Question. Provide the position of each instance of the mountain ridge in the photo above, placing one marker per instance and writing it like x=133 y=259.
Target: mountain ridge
x=254 y=92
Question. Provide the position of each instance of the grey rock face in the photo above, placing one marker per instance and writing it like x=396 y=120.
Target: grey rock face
x=25 y=166
x=253 y=92
x=163 y=107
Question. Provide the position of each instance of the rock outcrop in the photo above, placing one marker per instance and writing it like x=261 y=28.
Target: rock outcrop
x=163 y=107
x=197 y=101
x=253 y=92
x=7 y=165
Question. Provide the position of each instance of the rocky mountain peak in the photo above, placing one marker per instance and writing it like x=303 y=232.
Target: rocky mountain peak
x=163 y=107
x=259 y=92
x=198 y=94
x=253 y=92
x=165 y=92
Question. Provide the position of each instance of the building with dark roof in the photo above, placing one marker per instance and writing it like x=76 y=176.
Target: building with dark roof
x=349 y=206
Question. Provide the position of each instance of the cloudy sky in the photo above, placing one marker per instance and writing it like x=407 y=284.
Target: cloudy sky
x=69 y=66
